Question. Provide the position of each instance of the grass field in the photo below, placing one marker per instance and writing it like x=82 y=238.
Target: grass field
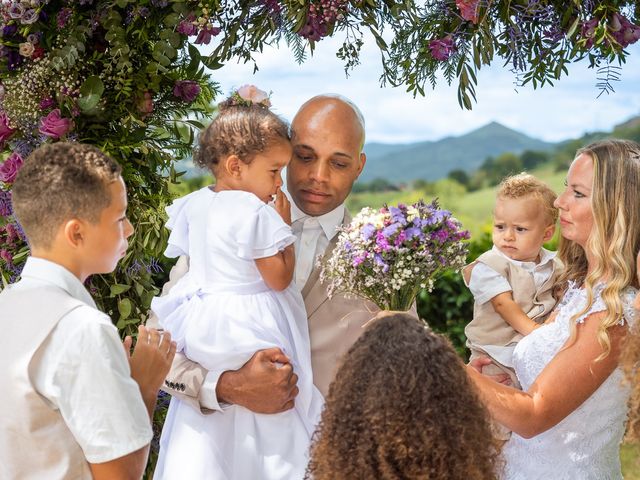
x=474 y=211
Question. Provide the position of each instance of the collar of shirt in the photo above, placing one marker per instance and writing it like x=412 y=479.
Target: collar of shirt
x=329 y=221
x=546 y=256
x=45 y=271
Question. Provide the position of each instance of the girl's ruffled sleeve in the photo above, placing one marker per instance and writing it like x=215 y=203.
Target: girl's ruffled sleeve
x=178 y=224
x=263 y=234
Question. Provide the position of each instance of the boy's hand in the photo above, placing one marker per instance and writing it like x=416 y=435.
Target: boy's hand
x=283 y=207
x=150 y=361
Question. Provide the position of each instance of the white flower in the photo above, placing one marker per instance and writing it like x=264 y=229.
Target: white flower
x=26 y=49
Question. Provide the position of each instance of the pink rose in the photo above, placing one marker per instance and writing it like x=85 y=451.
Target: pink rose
x=54 y=126
x=468 y=9
x=253 y=94
x=9 y=169
x=5 y=130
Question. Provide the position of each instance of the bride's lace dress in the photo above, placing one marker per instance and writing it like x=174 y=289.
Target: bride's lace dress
x=585 y=445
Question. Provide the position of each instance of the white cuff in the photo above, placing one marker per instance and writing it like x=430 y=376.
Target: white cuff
x=208 y=398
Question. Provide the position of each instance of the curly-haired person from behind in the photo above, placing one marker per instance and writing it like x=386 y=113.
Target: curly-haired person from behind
x=402 y=407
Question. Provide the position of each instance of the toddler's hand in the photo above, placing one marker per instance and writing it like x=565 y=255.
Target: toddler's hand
x=151 y=359
x=283 y=207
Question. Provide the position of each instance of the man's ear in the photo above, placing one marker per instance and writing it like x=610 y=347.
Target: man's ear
x=363 y=160
x=232 y=165
x=73 y=232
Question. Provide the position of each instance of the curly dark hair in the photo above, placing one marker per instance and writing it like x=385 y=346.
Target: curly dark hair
x=242 y=130
x=402 y=407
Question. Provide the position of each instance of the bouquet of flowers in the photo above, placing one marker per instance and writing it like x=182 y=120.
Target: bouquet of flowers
x=389 y=255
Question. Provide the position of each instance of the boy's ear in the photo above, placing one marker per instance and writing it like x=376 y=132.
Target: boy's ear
x=548 y=232
x=73 y=232
x=232 y=165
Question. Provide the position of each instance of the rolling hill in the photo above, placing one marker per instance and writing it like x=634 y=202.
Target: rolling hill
x=434 y=160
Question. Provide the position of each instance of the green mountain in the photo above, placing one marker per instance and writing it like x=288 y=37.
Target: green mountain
x=434 y=160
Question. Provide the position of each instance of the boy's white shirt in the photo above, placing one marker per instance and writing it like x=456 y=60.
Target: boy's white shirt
x=82 y=371
x=485 y=283
x=314 y=233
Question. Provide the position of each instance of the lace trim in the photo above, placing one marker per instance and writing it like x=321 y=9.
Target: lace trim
x=577 y=298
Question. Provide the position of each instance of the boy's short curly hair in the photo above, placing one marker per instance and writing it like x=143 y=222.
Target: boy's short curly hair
x=241 y=130
x=401 y=406
x=58 y=182
x=525 y=184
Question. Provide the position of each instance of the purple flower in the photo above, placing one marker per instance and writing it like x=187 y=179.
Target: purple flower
x=9 y=30
x=14 y=59
x=29 y=17
x=204 y=37
x=186 y=90
x=10 y=167
x=55 y=126
x=5 y=130
x=623 y=31
x=6 y=208
x=63 y=17
x=16 y=10
x=187 y=27
x=442 y=48
x=313 y=29
x=46 y=103
x=382 y=242
x=397 y=215
x=6 y=256
x=378 y=259
x=367 y=231
x=391 y=230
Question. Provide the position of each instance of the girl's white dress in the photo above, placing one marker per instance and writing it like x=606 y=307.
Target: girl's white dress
x=220 y=314
x=586 y=444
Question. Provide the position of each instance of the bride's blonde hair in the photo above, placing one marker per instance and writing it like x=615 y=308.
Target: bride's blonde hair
x=614 y=240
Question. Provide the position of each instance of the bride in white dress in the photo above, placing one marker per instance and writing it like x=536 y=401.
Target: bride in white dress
x=569 y=419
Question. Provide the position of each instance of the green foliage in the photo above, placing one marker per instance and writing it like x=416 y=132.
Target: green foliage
x=449 y=306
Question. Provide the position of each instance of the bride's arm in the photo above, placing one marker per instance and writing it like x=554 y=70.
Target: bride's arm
x=566 y=382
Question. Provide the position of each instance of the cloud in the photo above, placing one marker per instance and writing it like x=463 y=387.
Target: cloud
x=567 y=110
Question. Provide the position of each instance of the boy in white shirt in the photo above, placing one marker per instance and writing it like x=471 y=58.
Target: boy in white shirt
x=512 y=284
x=80 y=405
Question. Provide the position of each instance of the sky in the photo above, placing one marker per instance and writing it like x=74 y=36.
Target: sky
x=566 y=110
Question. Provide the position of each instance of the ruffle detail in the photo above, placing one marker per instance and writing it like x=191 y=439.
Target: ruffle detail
x=263 y=235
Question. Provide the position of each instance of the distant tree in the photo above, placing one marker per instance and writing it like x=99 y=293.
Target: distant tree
x=532 y=158
x=460 y=176
x=504 y=165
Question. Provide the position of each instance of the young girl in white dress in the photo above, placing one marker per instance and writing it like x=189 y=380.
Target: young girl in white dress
x=237 y=298
x=569 y=420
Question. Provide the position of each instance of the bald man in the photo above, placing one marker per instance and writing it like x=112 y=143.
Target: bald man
x=327 y=138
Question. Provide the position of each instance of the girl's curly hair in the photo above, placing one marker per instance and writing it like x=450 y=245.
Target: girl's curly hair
x=242 y=130
x=402 y=407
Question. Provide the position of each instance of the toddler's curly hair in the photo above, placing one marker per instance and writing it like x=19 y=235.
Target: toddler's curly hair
x=524 y=184
x=242 y=130
x=402 y=407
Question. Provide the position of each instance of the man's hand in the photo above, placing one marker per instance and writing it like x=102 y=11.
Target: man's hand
x=150 y=361
x=480 y=362
x=283 y=207
x=265 y=384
